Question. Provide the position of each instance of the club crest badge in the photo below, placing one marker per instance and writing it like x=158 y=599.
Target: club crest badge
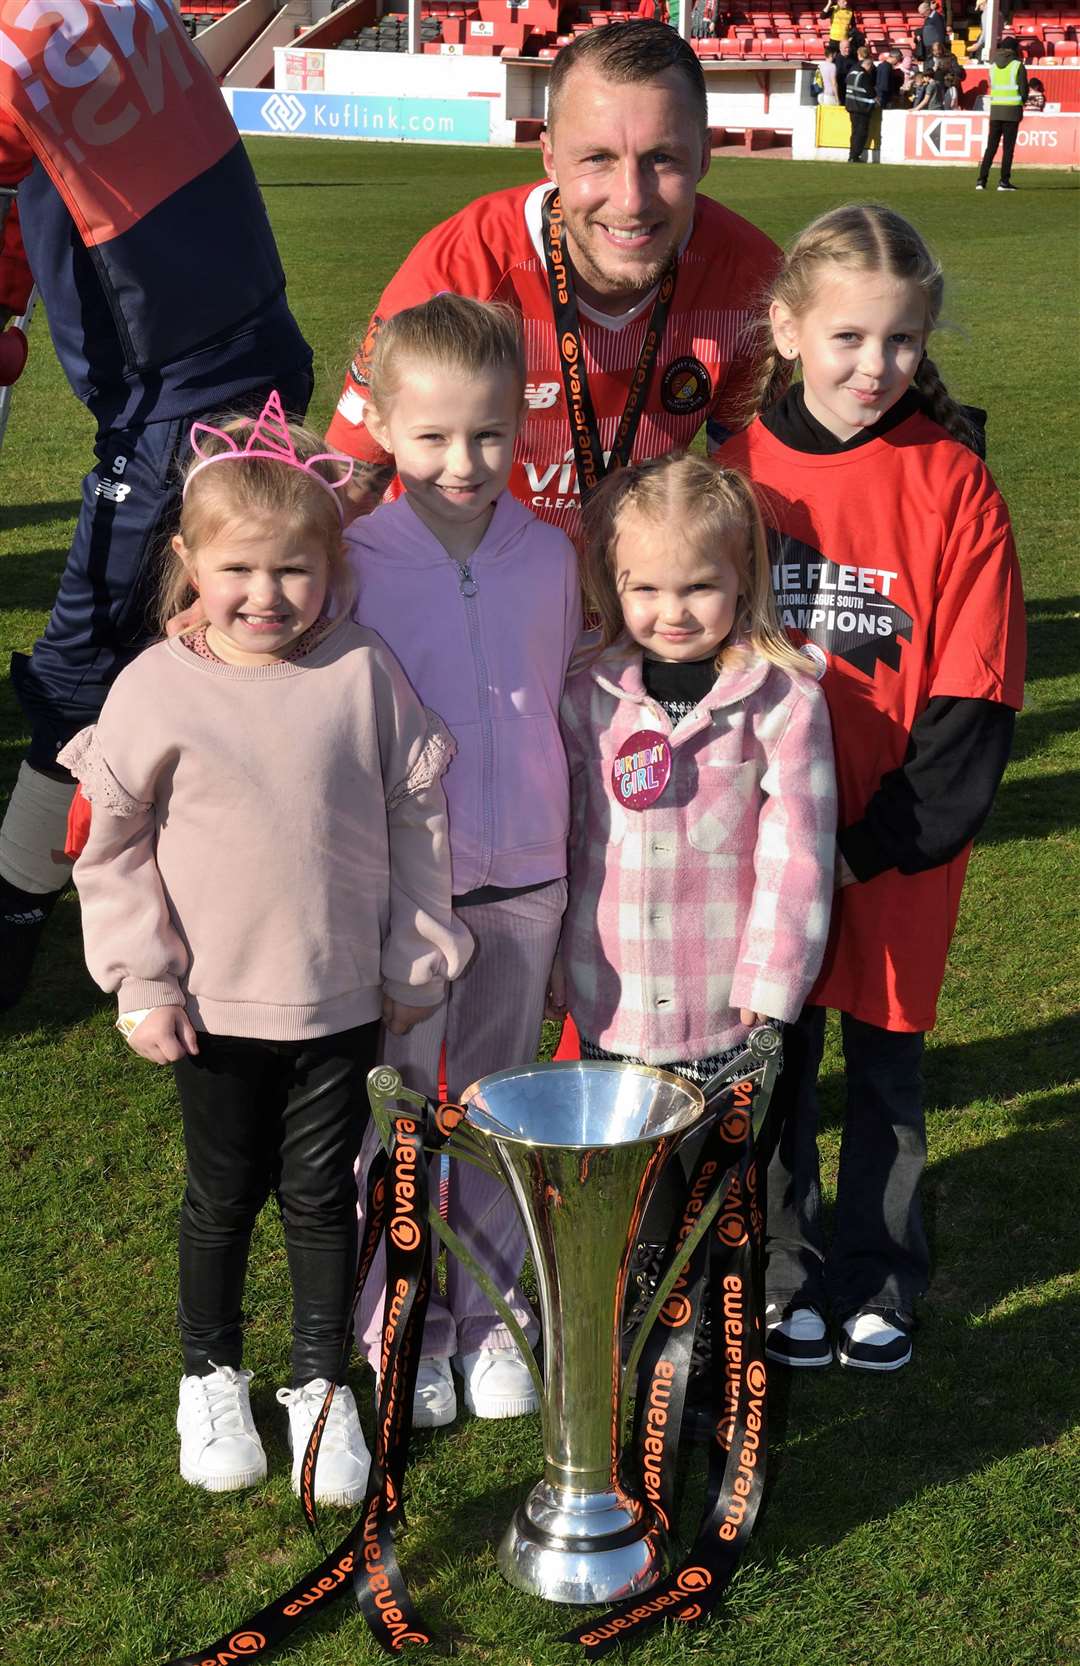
x=685 y=386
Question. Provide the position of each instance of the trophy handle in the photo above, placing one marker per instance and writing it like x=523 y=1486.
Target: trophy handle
x=763 y=1054
x=385 y=1090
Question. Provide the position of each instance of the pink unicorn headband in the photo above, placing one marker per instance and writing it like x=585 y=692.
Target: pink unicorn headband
x=269 y=439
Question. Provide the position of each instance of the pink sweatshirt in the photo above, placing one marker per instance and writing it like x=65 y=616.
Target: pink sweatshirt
x=268 y=843
x=492 y=664
x=718 y=895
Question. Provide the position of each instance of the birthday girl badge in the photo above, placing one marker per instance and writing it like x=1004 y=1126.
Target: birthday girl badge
x=640 y=772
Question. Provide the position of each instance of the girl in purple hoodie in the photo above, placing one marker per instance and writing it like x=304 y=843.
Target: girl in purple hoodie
x=479 y=602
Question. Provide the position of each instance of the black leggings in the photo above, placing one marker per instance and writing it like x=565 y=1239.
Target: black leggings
x=262 y=1117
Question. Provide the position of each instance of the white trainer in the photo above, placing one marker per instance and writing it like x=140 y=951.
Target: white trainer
x=497 y=1383
x=435 y=1397
x=343 y=1463
x=220 y=1447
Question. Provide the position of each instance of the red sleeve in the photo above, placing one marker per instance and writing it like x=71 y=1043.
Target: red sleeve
x=16 y=159
x=979 y=628
x=452 y=257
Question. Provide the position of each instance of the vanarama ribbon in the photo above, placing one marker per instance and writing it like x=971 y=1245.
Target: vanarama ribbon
x=732 y=1159
x=365 y=1561
x=731 y=1252
x=580 y=412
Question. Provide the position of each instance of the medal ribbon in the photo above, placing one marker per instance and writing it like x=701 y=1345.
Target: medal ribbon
x=735 y=1256
x=584 y=430
x=365 y=1560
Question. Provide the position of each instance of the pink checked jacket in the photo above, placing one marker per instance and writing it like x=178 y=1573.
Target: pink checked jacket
x=718 y=895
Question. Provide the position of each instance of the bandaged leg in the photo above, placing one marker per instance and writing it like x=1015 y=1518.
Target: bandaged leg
x=33 y=834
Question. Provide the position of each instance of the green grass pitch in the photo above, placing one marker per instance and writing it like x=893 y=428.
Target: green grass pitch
x=923 y=1520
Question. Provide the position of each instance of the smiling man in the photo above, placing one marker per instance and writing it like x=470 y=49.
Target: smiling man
x=636 y=292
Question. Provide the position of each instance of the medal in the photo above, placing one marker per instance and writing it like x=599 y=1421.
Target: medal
x=641 y=770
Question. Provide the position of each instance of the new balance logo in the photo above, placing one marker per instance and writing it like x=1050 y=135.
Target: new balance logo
x=112 y=490
x=541 y=395
x=282 y=113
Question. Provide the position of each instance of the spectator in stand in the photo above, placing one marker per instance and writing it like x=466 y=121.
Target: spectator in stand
x=943 y=62
x=825 y=76
x=932 y=29
x=907 y=67
x=860 y=97
x=703 y=19
x=888 y=80
x=976 y=39
x=950 y=93
x=841 y=19
x=1036 y=98
x=1008 y=91
x=845 y=63
x=926 y=93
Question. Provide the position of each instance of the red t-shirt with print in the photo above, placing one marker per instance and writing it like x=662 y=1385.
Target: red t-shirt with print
x=896 y=563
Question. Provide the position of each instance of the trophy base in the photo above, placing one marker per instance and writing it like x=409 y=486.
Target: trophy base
x=582 y=1547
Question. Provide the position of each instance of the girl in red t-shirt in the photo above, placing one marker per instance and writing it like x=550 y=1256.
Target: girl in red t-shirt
x=893 y=560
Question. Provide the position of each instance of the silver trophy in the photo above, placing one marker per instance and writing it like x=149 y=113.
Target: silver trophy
x=581 y=1146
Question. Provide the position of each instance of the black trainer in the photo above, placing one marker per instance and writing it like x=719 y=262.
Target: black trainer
x=876 y=1339
x=796 y=1335
x=23 y=917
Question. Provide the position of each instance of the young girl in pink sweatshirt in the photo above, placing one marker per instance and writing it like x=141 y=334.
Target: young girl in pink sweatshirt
x=267 y=874
x=479 y=601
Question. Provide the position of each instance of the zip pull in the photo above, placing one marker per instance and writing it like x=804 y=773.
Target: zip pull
x=466 y=581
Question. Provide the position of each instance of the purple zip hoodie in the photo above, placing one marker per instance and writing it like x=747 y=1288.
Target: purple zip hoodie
x=486 y=646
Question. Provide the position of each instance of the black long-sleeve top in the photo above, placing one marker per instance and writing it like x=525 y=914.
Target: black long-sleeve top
x=924 y=813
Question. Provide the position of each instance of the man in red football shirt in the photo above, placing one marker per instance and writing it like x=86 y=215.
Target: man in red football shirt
x=636 y=292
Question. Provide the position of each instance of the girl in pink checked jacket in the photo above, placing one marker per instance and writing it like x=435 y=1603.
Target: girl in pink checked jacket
x=703 y=800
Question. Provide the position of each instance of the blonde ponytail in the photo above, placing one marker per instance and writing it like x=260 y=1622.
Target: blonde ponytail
x=941 y=406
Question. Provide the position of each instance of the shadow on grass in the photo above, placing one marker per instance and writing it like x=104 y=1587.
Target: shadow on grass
x=996 y=1367
x=996 y=1067
x=31 y=581
x=1037 y=729
x=14 y=516
x=1053 y=636
x=1032 y=807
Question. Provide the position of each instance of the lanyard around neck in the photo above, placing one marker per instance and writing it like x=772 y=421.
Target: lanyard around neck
x=584 y=431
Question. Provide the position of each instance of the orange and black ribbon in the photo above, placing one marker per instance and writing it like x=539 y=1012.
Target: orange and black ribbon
x=365 y=1561
x=733 y=1253
x=733 y=1250
x=580 y=413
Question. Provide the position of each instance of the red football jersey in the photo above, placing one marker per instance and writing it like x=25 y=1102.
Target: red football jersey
x=896 y=563
x=492 y=250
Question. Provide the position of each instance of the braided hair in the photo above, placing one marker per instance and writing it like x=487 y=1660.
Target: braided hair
x=863 y=237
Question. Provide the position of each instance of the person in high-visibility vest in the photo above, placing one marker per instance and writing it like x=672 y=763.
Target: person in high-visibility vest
x=1008 y=90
